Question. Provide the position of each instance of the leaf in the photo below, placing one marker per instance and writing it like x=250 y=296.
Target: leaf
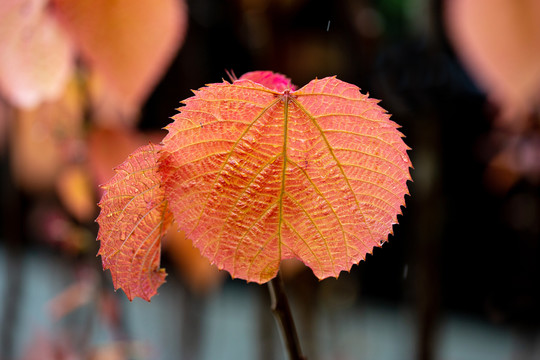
x=254 y=176
x=499 y=43
x=274 y=81
x=36 y=58
x=74 y=296
x=133 y=218
x=128 y=44
x=45 y=139
x=75 y=191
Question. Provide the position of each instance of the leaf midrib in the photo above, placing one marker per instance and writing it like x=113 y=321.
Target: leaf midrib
x=285 y=99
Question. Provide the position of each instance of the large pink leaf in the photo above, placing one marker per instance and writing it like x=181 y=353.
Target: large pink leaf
x=133 y=218
x=254 y=176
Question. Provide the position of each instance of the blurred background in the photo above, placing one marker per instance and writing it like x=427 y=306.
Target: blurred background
x=84 y=83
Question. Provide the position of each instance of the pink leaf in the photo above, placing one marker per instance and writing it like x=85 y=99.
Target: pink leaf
x=254 y=176
x=134 y=216
x=36 y=59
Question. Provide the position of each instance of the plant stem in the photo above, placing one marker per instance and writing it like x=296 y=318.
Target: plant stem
x=282 y=313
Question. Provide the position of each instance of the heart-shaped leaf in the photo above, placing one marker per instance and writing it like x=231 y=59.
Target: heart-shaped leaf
x=254 y=176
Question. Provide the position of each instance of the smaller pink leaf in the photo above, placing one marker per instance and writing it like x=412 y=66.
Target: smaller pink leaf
x=134 y=216
x=269 y=79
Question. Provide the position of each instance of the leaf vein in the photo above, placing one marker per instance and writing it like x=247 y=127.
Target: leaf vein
x=323 y=136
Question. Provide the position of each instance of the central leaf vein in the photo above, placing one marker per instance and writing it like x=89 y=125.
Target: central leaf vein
x=285 y=100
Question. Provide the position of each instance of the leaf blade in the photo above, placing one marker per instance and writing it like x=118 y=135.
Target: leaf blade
x=261 y=149
x=231 y=136
x=358 y=223
x=134 y=216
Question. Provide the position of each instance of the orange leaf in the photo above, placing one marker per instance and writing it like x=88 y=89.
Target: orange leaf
x=254 y=176
x=499 y=42
x=128 y=43
x=44 y=139
x=75 y=190
x=134 y=216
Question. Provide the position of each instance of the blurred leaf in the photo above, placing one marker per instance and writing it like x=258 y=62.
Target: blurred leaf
x=36 y=59
x=75 y=190
x=46 y=138
x=518 y=157
x=499 y=42
x=74 y=296
x=127 y=45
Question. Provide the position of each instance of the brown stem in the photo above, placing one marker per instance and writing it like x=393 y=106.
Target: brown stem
x=282 y=313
